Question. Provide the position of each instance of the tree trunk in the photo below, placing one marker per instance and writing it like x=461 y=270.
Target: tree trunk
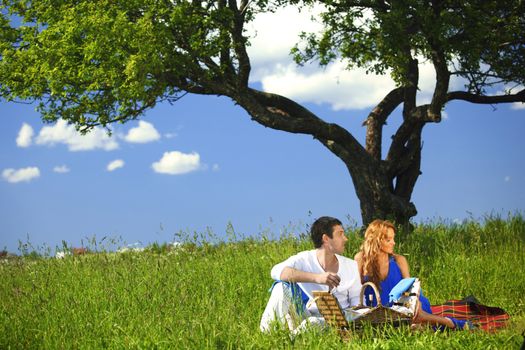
x=373 y=178
x=377 y=196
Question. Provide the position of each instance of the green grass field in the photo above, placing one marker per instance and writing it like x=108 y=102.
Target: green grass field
x=211 y=295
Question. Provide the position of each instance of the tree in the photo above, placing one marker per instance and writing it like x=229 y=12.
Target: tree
x=98 y=62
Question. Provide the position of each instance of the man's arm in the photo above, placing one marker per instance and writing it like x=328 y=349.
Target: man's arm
x=293 y=275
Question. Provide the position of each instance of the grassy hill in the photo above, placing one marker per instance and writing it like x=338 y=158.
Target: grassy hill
x=204 y=295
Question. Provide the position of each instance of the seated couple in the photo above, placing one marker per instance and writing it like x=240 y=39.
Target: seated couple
x=325 y=269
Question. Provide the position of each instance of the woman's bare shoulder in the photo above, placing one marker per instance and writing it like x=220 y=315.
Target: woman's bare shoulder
x=400 y=259
x=403 y=265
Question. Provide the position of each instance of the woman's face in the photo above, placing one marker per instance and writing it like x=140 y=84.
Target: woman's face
x=388 y=242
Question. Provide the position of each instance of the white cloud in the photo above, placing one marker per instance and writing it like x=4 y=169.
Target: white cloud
x=25 y=136
x=114 y=165
x=20 y=175
x=176 y=163
x=517 y=105
x=507 y=179
x=342 y=88
x=274 y=34
x=334 y=85
x=143 y=133
x=62 y=169
x=66 y=134
x=170 y=135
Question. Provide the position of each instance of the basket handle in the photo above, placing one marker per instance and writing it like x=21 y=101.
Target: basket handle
x=362 y=295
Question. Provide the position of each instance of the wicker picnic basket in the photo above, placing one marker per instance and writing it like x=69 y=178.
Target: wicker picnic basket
x=332 y=313
x=330 y=310
x=378 y=315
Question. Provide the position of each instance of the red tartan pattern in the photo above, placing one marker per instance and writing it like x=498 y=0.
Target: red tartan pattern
x=487 y=318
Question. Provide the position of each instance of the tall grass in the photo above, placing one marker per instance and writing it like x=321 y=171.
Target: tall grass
x=206 y=295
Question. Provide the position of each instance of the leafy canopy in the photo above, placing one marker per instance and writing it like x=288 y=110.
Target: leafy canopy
x=481 y=41
x=96 y=62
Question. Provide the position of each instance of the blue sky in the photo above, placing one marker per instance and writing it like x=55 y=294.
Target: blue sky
x=202 y=163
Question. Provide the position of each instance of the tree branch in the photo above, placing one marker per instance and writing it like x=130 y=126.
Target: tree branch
x=439 y=60
x=407 y=169
x=439 y=98
x=370 y=4
x=239 y=41
x=411 y=89
x=377 y=118
x=482 y=99
x=417 y=119
x=281 y=113
x=225 y=57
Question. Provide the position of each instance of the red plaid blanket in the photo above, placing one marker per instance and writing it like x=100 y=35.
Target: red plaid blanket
x=488 y=318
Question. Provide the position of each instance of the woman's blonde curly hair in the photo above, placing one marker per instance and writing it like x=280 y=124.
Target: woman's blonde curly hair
x=370 y=248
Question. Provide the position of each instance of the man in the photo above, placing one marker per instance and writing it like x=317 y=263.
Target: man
x=323 y=268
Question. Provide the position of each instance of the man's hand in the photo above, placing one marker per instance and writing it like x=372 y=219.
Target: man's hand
x=329 y=278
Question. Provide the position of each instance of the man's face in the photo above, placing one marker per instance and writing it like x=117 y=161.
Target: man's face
x=338 y=241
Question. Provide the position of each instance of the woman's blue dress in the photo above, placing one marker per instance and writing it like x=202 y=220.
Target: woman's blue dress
x=392 y=278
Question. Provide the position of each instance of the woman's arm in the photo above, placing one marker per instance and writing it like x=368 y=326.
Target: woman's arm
x=403 y=265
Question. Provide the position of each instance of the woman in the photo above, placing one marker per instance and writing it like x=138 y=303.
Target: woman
x=378 y=264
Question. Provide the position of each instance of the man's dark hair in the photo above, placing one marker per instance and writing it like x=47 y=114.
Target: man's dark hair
x=323 y=225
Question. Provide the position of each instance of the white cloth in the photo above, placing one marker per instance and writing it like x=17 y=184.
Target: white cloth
x=281 y=308
x=278 y=307
x=347 y=293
